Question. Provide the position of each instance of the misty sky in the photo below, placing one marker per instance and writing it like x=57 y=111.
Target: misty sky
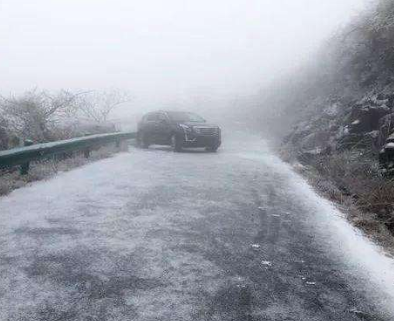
x=160 y=48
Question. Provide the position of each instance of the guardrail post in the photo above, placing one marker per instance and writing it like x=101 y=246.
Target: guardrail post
x=117 y=143
x=86 y=152
x=24 y=170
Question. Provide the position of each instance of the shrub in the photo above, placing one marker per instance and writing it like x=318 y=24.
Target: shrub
x=353 y=178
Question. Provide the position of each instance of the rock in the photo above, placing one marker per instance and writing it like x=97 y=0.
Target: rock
x=390 y=100
x=363 y=125
x=386 y=128
x=386 y=155
x=307 y=157
x=389 y=146
x=390 y=139
x=367 y=118
x=318 y=140
x=315 y=145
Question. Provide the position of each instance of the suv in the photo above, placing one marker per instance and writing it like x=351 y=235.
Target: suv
x=179 y=130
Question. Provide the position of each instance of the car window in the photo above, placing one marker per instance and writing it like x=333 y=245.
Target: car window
x=152 y=117
x=186 y=117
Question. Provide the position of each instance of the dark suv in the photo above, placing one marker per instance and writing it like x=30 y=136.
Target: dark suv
x=178 y=130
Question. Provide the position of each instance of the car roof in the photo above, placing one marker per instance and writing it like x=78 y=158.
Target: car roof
x=176 y=111
x=168 y=111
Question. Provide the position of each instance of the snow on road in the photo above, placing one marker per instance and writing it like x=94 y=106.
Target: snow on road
x=338 y=237
x=153 y=235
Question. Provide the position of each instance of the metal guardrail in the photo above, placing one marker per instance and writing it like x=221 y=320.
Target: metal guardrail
x=24 y=155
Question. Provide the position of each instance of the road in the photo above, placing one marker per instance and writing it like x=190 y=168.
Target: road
x=156 y=235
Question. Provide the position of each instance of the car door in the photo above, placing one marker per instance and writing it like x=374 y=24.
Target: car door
x=150 y=127
x=163 y=129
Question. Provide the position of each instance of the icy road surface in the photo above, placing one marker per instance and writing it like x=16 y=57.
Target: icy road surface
x=154 y=235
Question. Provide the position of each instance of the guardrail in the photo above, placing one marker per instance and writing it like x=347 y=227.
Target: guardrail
x=24 y=155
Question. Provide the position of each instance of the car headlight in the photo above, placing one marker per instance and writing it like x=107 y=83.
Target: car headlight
x=186 y=128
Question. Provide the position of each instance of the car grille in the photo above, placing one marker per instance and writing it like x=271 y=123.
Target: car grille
x=206 y=131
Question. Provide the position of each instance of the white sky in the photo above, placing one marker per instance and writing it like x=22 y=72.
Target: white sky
x=160 y=48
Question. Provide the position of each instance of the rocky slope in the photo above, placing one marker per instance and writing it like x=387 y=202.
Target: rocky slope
x=342 y=116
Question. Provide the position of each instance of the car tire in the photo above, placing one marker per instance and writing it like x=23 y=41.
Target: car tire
x=176 y=143
x=142 y=141
x=212 y=149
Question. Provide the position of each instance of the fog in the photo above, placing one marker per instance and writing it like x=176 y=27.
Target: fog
x=276 y=204
x=163 y=52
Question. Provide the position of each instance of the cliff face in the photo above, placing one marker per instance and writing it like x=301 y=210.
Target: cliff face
x=342 y=116
x=351 y=100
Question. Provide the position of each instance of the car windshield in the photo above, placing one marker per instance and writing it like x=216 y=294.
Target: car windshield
x=179 y=116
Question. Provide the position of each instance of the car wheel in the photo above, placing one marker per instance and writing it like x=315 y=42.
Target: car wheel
x=176 y=143
x=142 y=141
x=212 y=149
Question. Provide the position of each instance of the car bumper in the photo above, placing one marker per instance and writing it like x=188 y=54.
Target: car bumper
x=201 y=141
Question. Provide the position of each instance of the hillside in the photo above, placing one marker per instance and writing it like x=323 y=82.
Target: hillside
x=340 y=112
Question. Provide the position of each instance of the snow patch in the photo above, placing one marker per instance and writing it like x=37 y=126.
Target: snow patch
x=338 y=236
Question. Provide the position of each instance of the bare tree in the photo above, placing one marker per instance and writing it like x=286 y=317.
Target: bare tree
x=98 y=106
x=35 y=114
x=4 y=138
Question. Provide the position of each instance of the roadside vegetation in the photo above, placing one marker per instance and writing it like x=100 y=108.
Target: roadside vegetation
x=42 y=116
x=354 y=183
